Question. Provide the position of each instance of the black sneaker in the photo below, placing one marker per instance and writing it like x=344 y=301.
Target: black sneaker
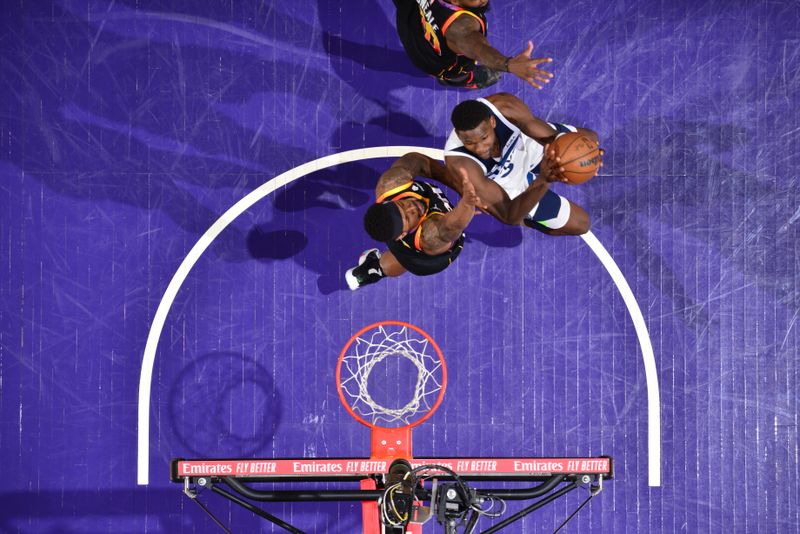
x=368 y=271
x=478 y=78
x=484 y=77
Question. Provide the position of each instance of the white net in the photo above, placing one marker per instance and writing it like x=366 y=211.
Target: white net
x=391 y=376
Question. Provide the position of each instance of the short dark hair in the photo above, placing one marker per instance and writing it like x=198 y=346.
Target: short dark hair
x=469 y=114
x=383 y=222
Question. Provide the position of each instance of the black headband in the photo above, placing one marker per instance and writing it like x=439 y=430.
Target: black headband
x=395 y=219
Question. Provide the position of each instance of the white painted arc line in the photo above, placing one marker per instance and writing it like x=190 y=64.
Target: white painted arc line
x=650 y=371
x=148 y=358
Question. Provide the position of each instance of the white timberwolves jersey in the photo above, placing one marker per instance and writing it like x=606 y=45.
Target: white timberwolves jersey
x=518 y=164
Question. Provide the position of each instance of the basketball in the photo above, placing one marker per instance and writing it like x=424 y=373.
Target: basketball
x=580 y=156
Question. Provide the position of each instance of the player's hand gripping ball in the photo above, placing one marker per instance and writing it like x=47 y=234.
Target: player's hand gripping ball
x=580 y=157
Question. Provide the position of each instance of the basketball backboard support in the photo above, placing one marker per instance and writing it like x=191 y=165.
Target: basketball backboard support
x=391 y=376
x=238 y=480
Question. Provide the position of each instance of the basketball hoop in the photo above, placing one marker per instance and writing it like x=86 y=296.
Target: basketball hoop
x=391 y=377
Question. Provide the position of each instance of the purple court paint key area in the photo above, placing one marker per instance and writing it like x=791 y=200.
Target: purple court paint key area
x=129 y=128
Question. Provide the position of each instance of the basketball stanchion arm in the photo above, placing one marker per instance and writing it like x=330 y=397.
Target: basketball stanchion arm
x=256 y=510
x=524 y=493
x=301 y=495
x=373 y=495
x=466 y=503
x=535 y=506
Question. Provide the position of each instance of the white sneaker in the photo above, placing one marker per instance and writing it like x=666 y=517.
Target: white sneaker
x=368 y=271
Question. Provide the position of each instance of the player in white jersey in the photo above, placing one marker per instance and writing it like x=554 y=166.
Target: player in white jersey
x=501 y=146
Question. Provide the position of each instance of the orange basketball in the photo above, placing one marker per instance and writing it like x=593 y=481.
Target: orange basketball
x=580 y=157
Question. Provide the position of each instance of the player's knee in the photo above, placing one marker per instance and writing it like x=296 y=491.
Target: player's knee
x=584 y=225
x=579 y=222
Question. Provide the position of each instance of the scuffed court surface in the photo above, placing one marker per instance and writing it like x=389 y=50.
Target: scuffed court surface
x=128 y=128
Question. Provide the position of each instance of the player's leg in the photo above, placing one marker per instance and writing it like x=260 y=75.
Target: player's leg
x=372 y=266
x=390 y=266
x=555 y=215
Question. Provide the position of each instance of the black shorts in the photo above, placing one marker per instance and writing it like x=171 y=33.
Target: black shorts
x=424 y=264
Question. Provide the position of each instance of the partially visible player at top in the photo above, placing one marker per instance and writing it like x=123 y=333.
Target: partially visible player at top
x=422 y=231
x=447 y=39
x=503 y=149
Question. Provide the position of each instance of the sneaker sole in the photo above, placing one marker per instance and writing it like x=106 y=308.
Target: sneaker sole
x=352 y=281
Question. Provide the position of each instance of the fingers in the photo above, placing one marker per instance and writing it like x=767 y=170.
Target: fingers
x=528 y=49
x=551 y=169
x=551 y=153
x=468 y=190
x=541 y=77
x=537 y=60
x=536 y=76
x=533 y=75
x=463 y=173
x=466 y=183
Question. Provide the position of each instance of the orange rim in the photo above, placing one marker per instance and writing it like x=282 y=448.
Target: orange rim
x=355 y=336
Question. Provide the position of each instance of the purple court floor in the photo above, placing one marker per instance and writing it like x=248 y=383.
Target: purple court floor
x=127 y=130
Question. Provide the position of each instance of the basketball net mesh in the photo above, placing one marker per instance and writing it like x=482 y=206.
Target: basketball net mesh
x=377 y=349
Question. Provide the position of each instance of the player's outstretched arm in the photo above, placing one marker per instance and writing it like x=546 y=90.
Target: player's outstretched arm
x=439 y=232
x=521 y=116
x=494 y=199
x=405 y=168
x=464 y=37
x=415 y=164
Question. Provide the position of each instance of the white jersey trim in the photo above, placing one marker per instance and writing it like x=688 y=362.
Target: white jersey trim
x=497 y=113
x=453 y=142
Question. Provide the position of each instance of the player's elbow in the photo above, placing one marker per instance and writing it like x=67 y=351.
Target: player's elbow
x=413 y=161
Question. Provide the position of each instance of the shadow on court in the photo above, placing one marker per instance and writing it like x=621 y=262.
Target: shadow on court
x=158 y=510
x=205 y=403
